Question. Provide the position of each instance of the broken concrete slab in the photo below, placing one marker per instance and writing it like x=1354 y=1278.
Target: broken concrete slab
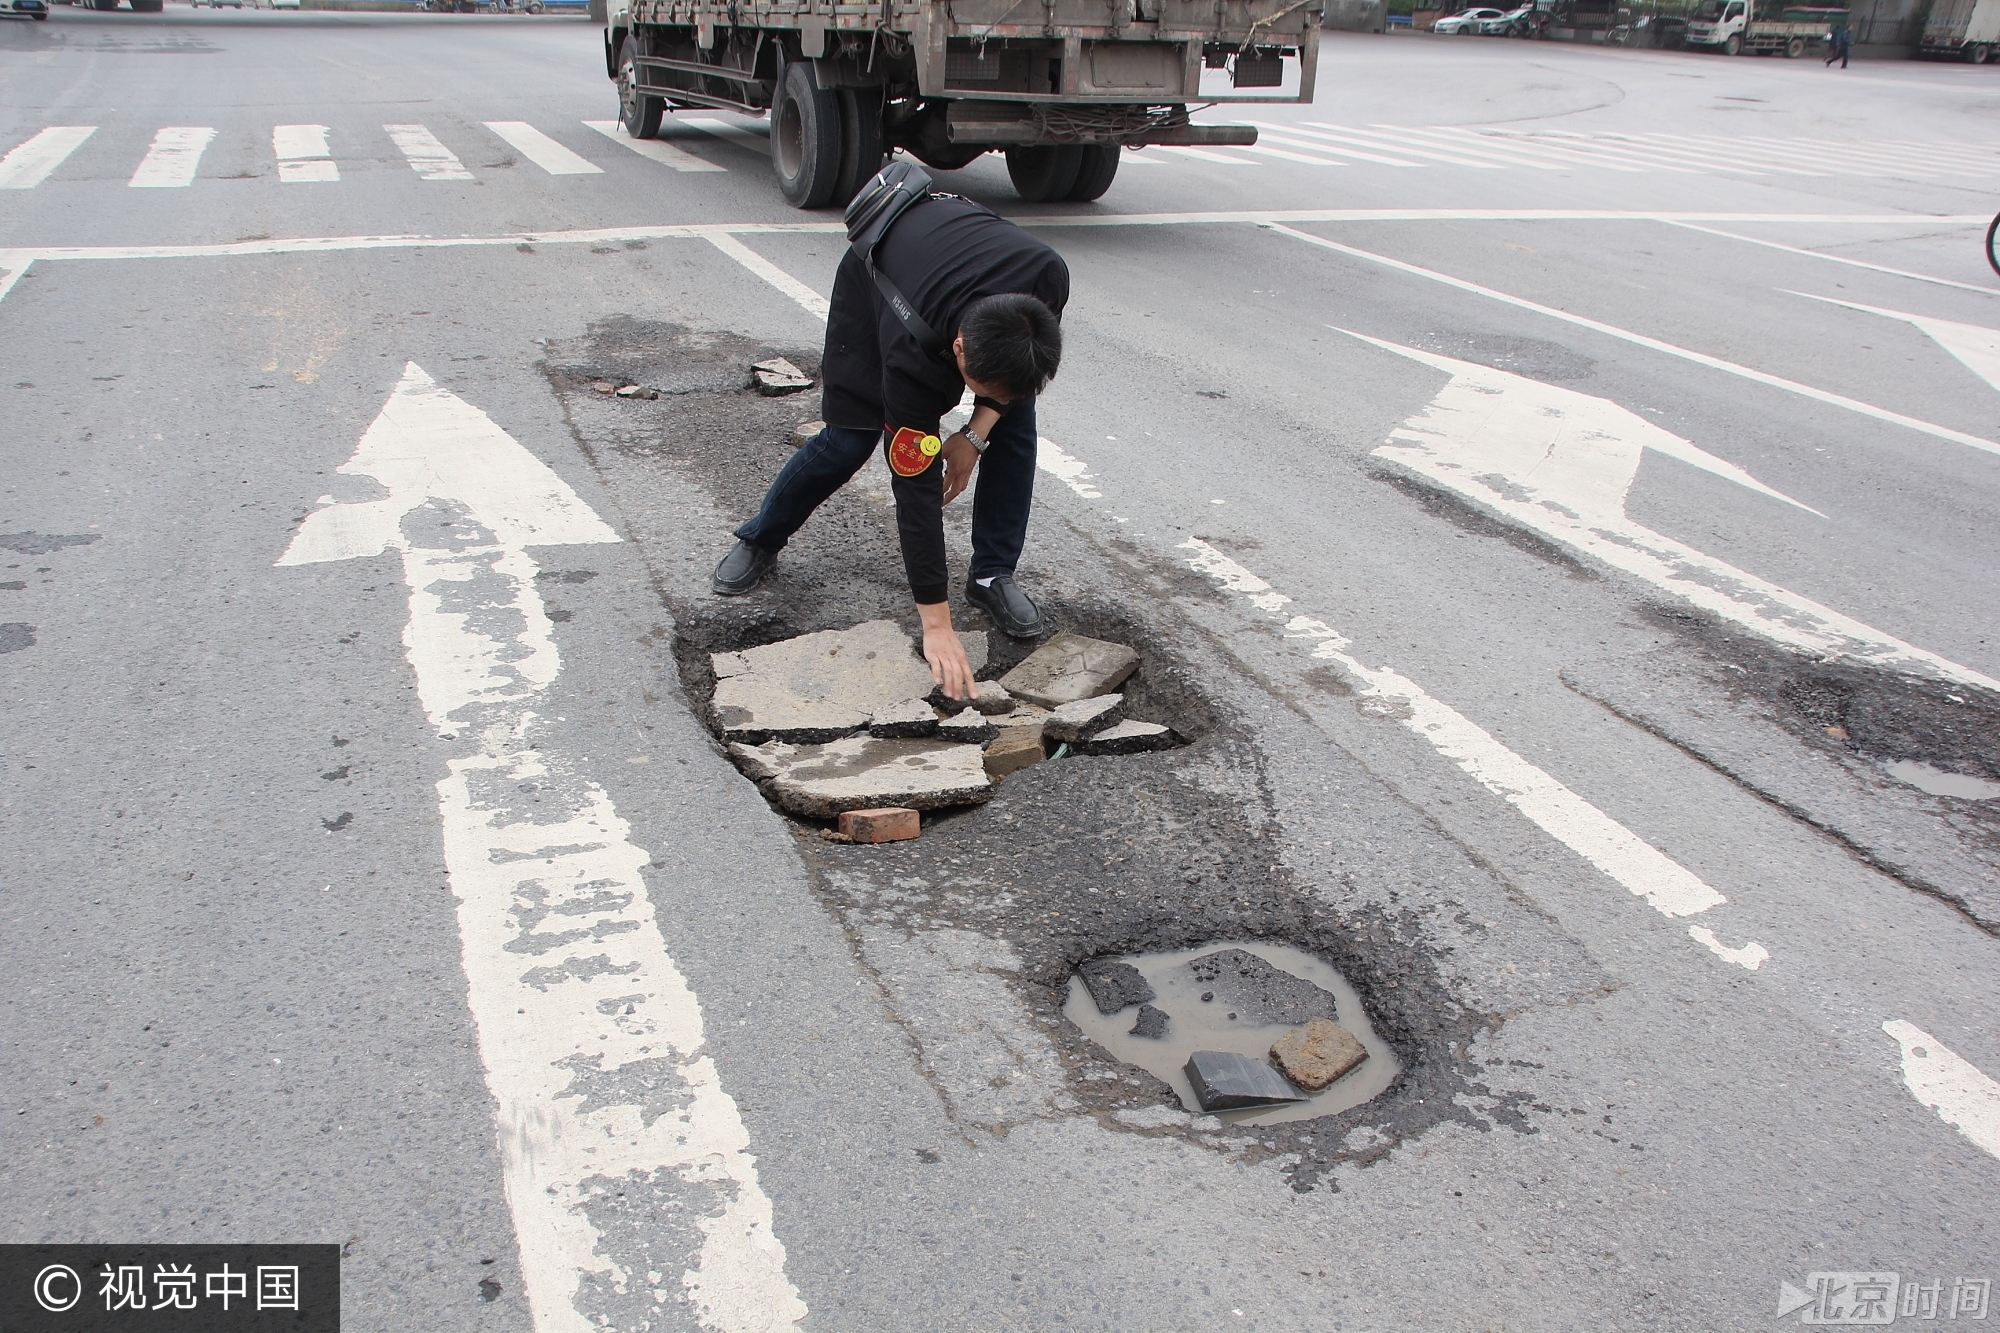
x=1152 y=1023
x=910 y=718
x=1128 y=738
x=968 y=728
x=638 y=391
x=1114 y=986
x=862 y=772
x=1070 y=667
x=817 y=687
x=893 y=824
x=991 y=698
x=777 y=376
x=1013 y=750
x=1074 y=721
x=802 y=434
x=1226 y=1081
x=1317 y=1054
x=1260 y=992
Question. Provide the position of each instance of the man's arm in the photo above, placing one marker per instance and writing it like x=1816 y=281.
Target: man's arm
x=960 y=458
x=920 y=524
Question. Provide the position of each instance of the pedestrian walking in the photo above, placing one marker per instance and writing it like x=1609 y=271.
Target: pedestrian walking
x=994 y=295
x=1837 y=48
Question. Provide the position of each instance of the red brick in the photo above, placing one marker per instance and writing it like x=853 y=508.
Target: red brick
x=890 y=825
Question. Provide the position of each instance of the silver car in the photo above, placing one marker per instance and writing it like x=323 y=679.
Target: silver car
x=1468 y=21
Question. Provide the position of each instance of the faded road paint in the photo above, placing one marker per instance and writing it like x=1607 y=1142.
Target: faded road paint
x=591 y=1038
x=1947 y=1083
x=173 y=159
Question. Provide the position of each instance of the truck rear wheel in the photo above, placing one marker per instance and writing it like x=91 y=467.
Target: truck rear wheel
x=1045 y=172
x=1734 y=46
x=638 y=113
x=1795 y=48
x=805 y=139
x=1978 y=54
x=1095 y=172
x=861 y=148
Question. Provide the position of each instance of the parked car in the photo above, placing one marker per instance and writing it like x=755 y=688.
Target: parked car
x=284 y=4
x=215 y=4
x=1467 y=22
x=1509 y=23
x=24 y=8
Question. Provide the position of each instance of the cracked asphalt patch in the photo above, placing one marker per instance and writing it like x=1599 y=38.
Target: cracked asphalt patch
x=973 y=931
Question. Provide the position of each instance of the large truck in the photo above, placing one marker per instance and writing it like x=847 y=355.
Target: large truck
x=1968 y=29
x=1732 y=27
x=1059 y=86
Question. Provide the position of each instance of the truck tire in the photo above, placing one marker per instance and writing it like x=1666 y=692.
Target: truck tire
x=1733 y=46
x=637 y=112
x=1044 y=172
x=1978 y=54
x=862 y=151
x=1094 y=173
x=805 y=139
x=1795 y=48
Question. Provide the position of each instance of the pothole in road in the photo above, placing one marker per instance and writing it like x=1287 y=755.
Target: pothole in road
x=1205 y=1000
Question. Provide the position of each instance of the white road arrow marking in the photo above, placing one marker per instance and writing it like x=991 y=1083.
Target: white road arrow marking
x=1561 y=463
x=1949 y=1084
x=591 y=1038
x=1669 y=887
x=1977 y=346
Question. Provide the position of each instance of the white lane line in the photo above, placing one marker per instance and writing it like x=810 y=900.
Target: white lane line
x=1262 y=148
x=1976 y=346
x=543 y=151
x=1071 y=471
x=1561 y=463
x=813 y=303
x=303 y=157
x=28 y=163
x=171 y=162
x=1284 y=135
x=1988 y=289
x=1948 y=1084
x=722 y=129
x=12 y=266
x=591 y=1038
x=1654 y=344
x=663 y=153
x=1670 y=888
x=426 y=154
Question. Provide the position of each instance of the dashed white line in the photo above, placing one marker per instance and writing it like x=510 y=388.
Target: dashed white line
x=171 y=162
x=663 y=153
x=426 y=154
x=543 y=151
x=1948 y=1084
x=811 y=301
x=28 y=163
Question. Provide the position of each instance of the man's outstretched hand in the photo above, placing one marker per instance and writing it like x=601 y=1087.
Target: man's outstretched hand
x=959 y=460
x=950 y=669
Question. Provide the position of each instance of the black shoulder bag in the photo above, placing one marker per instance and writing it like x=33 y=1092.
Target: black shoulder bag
x=870 y=214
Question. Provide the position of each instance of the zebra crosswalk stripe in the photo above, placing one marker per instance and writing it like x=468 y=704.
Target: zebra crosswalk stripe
x=1425 y=156
x=173 y=159
x=30 y=162
x=543 y=151
x=663 y=153
x=722 y=129
x=303 y=157
x=428 y=157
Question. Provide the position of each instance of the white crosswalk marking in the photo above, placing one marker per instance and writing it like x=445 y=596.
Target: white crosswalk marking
x=1203 y=155
x=543 y=151
x=29 y=163
x=171 y=162
x=302 y=154
x=429 y=158
x=664 y=153
x=722 y=129
x=1329 y=143
x=1263 y=148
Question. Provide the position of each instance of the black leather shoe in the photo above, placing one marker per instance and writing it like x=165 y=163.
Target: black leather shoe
x=743 y=569
x=1012 y=611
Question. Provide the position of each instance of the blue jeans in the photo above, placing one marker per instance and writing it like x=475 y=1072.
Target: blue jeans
x=1003 y=488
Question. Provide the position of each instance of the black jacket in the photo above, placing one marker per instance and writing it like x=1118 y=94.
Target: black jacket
x=943 y=254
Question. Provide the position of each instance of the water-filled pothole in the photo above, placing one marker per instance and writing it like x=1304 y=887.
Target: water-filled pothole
x=1218 y=1024
x=1938 y=782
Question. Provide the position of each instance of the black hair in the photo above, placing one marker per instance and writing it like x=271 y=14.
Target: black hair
x=1011 y=340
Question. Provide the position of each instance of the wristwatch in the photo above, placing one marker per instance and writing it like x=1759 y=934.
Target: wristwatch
x=978 y=441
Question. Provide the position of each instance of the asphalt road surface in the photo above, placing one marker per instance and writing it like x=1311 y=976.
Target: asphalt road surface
x=1552 y=488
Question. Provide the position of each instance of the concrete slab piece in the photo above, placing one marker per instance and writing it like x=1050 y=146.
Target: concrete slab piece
x=1151 y=1023
x=910 y=718
x=817 y=687
x=967 y=728
x=992 y=698
x=1128 y=738
x=1317 y=1054
x=1070 y=667
x=1012 y=751
x=1114 y=986
x=1226 y=1081
x=777 y=377
x=1074 y=721
x=1259 y=992
x=862 y=772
